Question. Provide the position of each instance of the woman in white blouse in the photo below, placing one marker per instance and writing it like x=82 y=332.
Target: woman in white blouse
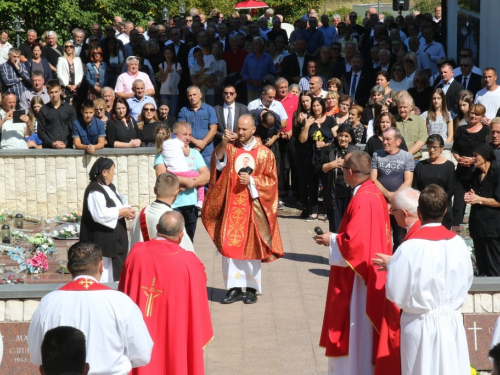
x=103 y=218
x=70 y=72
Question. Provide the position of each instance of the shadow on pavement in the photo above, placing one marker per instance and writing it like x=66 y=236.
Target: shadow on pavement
x=215 y=294
x=298 y=257
x=319 y=272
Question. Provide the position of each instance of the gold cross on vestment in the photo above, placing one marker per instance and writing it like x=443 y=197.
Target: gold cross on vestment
x=87 y=283
x=150 y=291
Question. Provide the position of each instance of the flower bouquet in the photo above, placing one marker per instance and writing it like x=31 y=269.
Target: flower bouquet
x=72 y=217
x=66 y=232
x=37 y=263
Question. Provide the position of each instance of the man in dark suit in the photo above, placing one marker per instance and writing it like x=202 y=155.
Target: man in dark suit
x=343 y=66
x=228 y=113
x=469 y=80
x=294 y=66
x=357 y=83
x=450 y=86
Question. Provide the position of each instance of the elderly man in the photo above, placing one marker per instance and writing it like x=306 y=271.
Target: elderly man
x=469 y=80
x=139 y=99
x=392 y=170
x=429 y=278
x=125 y=80
x=108 y=95
x=203 y=121
x=37 y=89
x=356 y=307
x=51 y=51
x=79 y=43
x=254 y=237
x=145 y=224
x=357 y=83
x=490 y=95
x=169 y=286
x=266 y=101
x=25 y=48
x=256 y=67
x=12 y=132
x=14 y=74
x=125 y=35
x=5 y=46
x=384 y=58
x=117 y=337
x=311 y=72
x=411 y=126
x=404 y=203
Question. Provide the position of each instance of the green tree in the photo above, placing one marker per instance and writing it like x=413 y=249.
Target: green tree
x=426 y=6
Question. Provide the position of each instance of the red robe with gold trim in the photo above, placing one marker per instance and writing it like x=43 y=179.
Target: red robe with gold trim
x=229 y=213
x=168 y=284
x=364 y=231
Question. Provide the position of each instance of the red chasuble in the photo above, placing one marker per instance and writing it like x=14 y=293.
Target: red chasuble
x=169 y=286
x=242 y=227
x=415 y=227
x=364 y=231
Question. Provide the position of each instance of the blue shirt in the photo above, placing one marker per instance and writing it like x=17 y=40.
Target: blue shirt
x=314 y=40
x=188 y=197
x=200 y=121
x=136 y=105
x=256 y=69
x=88 y=134
x=329 y=34
x=33 y=137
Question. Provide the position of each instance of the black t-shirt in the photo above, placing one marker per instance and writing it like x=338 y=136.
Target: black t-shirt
x=442 y=175
x=464 y=144
x=25 y=49
x=118 y=131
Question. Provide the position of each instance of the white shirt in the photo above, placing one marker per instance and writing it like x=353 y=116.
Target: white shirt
x=124 y=38
x=12 y=134
x=275 y=106
x=173 y=155
x=475 y=69
x=4 y=52
x=117 y=338
x=225 y=112
x=490 y=99
x=107 y=216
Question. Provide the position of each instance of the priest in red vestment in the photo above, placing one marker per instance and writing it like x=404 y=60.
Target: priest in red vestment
x=241 y=209
x=168 y=284
x=356 y=307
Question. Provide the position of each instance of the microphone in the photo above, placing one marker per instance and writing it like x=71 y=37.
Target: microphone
x=318 y=231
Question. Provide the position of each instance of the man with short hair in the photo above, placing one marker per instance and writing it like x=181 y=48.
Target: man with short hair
x=125 y=80
x=311 y=72
x=228 y=113
x=294 y=66
x=325 y=65
x=314 y=40
x=12 y=132
x=297 y=33
x=117 y=337
x=467 y=53
x=108 y=95
x=256 y=67
x=432 y=48
x=315 y=85
x=278 y=31
x=63 y=351
x=25 y=48
x=169 y=285
x=88 y=131
x=5 y=46
x=490 y=95
x=139 y=99
x=423 y=59
x=254 y=237
x=51 y=51
x=404 y=203
x=384 y=57
x=450 y=87
x=469 y=80
x=495 y=138
x=125 y=35
x=330 y=34
x=55 y=120
x=203 y=121
x=392 y=170
x=14 y=74
x=144 y=227
x=429 y=278
x=343 y=65
x=357 y=83
x=79 y=43
x=357 y=311
x=37 y=89
x=411 y=126
x=266 y=101
x=201 y=39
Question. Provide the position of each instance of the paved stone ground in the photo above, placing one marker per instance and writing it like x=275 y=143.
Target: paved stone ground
x=280 y=333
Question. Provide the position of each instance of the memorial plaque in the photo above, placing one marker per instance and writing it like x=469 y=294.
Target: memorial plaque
x=479 y=330
x=15 y=358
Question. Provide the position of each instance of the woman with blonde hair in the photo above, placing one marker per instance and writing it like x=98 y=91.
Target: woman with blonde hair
x=100 y=110
x=69 y=72
x=332 y=103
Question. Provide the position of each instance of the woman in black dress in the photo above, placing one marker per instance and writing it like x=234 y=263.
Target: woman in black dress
x=421 y=91
x=147 y=122
x=316 y=134
x=336 y=193
x=381 y=123
x=436 y=170
x=467 y=138
x=484 y=198
x=121 y=129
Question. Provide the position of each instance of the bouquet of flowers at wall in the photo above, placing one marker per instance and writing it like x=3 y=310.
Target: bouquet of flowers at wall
x=66 y=232
x=19 y=235
x=72 y=217
x=34 y=260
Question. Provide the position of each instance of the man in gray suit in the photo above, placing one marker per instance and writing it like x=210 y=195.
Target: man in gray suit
x=228 y=114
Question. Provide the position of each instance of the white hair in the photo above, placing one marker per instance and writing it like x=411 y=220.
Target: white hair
x=406 y=199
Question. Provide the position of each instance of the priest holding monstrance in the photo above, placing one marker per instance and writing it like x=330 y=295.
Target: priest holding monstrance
x=241 y=210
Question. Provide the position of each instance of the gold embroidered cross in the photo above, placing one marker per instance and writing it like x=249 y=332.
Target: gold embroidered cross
x=150 y=291
x=86 y=283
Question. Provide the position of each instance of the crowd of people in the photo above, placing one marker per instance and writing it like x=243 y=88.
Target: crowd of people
x=264 y=118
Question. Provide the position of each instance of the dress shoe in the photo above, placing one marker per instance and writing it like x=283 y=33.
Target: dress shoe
x=251 y=296
x=234 y=294
x=304 y=214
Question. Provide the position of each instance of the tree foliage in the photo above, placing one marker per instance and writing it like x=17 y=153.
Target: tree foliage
x=426 y=6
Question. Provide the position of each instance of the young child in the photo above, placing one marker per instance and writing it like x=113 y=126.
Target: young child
x=207 y=72
x=174 y=152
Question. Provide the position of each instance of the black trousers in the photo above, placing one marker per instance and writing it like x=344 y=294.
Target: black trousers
x=336 y=214
x=487 y=256
x=461 y=187
x=398 y=234
x=190 y=214
x=283 y=171
x=303 y=164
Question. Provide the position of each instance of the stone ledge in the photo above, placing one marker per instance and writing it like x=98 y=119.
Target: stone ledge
x=485 y=285
x=33 y=291
x=73 y=152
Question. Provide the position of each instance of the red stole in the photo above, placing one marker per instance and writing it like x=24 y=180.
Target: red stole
x=433 y=233
x=169 y=286
x=144 y=225
x=415 y=227
x=364 y=231
x=84 y=284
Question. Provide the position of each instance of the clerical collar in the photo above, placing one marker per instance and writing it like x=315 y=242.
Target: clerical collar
x=85 y=277
x=431 y=225
x=250 y=145
x=161 y=202
x=355 y=190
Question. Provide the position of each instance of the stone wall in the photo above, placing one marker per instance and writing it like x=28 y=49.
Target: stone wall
x=51 y=182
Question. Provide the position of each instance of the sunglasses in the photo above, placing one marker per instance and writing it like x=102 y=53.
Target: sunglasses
x=409 y=61
x=69 y=47
x=99 y=109
x=336 y=49
x=463 y=56
x=398 y=69
x=148 y=109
